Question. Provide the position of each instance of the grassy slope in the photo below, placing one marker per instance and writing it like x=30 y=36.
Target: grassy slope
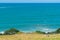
x=30 y=37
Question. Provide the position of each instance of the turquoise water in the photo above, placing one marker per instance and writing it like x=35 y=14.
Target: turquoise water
x=30 y=16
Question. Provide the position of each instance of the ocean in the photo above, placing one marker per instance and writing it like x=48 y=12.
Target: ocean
x=30 y=17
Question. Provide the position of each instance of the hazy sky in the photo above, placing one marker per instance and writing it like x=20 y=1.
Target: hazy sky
x=31 y=1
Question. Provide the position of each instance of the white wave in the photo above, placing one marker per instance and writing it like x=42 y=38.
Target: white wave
x=2 y=32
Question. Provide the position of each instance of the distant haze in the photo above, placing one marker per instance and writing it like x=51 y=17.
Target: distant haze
x=29 y=1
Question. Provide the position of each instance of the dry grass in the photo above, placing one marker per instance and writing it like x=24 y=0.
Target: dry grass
x=30 y=37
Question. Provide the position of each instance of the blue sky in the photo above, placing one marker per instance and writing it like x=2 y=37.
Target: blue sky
x=29 y=1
